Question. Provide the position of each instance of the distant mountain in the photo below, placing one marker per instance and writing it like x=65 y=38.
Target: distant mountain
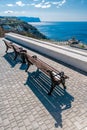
x=29 y=19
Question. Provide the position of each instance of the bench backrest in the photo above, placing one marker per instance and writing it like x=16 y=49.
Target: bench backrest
x=8 y=44
x=16 y=48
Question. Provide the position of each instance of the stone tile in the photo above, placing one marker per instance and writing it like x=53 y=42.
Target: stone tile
x=6 y=122
x=13 y=124
x=43 y=127
x=35 y=125
x=23 y=128
x=1 y=128
x=26 y=122
x=15 y=128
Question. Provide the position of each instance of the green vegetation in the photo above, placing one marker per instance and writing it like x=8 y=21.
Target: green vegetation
x=82 y=46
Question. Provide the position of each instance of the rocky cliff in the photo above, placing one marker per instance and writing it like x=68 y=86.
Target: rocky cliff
x=13 y=24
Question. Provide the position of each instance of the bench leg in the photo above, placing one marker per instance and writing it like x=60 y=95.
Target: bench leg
x=52 y=87
x=28 y=66
x=64 y=86
x=16 y=54
x=63 y=83
x=37 y=73
x=6 y=49
x=23 y=58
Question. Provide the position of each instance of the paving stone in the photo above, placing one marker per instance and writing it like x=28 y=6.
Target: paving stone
x=31 y=117
x=35 y=125
x=78 y=125
x=13 y=124
x=20 y=124
x=23 y=128
x=1 y=128
x=43 y=127
x=0 y=120
x=10 y=116
x=15 y=128
x=85 y=128
x=6 y=122
x=26 y=122
x=7 y=128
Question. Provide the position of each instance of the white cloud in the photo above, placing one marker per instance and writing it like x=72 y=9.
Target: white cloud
x=43 y=4
x=48 y=4
x=10 y=5
x=55 y=3
x=60 y=3
x=19 y=3
x=40 y=5
x=64 y=1
x=8 y=11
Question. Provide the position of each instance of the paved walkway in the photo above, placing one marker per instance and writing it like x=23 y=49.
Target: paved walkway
x=25 y=105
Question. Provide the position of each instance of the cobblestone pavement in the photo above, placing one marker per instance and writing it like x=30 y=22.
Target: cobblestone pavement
x=25 y=105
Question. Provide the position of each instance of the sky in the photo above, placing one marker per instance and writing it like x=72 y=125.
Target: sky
x=46 y=10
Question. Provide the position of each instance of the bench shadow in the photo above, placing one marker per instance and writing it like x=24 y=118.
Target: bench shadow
x=10 y=59
x=23 y=66
x=59 y=101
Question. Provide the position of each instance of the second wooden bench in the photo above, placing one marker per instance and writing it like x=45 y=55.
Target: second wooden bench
x=56 y=76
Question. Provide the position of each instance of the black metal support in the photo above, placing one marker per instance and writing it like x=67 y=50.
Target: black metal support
x=6 y=49
x=28 y=66
x=53 y=85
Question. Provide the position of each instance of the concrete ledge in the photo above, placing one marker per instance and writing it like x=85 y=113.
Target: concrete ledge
x=73 y=57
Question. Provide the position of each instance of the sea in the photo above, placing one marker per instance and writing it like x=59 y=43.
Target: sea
x=63 y=31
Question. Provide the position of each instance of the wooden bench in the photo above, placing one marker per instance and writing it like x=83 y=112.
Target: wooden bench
x=56 y=76
x=17 y=50
x=8 y=45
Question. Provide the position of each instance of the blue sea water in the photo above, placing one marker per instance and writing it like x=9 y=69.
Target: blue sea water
x=61 y=31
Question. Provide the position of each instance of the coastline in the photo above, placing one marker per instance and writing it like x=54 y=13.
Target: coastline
x=80 y=46
x=63 y=31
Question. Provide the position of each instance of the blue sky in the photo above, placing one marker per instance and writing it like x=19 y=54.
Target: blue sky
x=46 y=10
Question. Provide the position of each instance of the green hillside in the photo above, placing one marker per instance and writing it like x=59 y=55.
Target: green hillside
x=13 y=24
